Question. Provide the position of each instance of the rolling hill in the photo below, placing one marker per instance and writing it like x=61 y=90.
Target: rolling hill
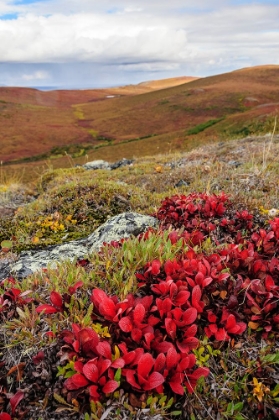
x=37 y=124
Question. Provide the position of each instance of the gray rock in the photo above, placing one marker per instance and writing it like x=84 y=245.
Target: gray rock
x=121 y=226
x=116 y=228
x=97 y=164
x=235 y=163
x=182 y=183
x=122 y=162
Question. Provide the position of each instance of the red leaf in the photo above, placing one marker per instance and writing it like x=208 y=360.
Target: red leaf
x=188 y=344
x=160 y=362
x=93 y=392
x=118 y=363
x=130 y=378
x=164 y=306
x=231 y=322
x=153 y=320
x=75 y=382
x=221 y=335
x=187 y=362
x=181 y=297
x=154 y=380
x=73 y=289
x=155 y=267
x=168 y=266
x=196 y=298
x=48 y=309
x=176 y=387
x=145 y=364
x=56 y=299
x=139 y=313
x=87 y=334
x=148 y=339
x=125 y=324
x=103 y=365
x=172 y=358
x=97 y=297
x=110 y=386
x=191 y=331
x=107 y=308
x=5 y=416
x=162 y=347
x=207 y=281
x=170 y=327
x=198 y=373
x=38 y=358
x=91 y=371
x=15 y=400
x=211 y=316
x=104 y=349
x=269 y=283
x=190 y=315
x=129 y=357
x=136 y=334
x=78 y=366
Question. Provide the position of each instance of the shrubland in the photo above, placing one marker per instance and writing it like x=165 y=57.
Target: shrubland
x=179 y=322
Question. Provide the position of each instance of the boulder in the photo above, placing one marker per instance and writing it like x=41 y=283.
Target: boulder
x=97 y=164
x=121 y=226
x=122 y=162
x=116 y=228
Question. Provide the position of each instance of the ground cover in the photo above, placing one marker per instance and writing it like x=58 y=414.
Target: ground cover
x=181 y=322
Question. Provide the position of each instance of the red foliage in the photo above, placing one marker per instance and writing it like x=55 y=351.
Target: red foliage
x=153 y=334
x=58 y=302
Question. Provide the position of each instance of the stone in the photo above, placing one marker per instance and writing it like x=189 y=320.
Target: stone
x=182 y=183
x=121 y=226
x=97 y=164
x=235 y=163
x=122 y=162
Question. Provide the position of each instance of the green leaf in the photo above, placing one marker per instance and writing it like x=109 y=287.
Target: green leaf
x=162 y=400
x=69 y=374
x=21 y=313
x=6 y=245
x=238 y=406
x=117 y=375
x=176 y=413
x=60 y=399
x=239 y=417
x=230 y=407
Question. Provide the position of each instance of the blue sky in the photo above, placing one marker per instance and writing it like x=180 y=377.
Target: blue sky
x=93 y=43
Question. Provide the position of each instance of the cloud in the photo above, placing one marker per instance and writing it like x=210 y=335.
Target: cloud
x=172 y=38
x=37 y=75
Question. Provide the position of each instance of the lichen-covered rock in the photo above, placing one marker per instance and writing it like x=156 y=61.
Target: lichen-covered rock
x=97 y=164
x=31 y=261
x=120 y=226
x=116 y=228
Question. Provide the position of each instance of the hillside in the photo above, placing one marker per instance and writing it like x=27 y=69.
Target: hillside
x=33 y=122
x=138 y=119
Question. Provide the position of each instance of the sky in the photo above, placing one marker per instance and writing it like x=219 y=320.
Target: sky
x=102 y=43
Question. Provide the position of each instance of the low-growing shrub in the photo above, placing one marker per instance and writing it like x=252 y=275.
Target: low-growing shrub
x=219 y=291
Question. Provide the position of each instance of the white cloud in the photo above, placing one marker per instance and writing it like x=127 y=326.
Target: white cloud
x=173 y=38
x=37 y=75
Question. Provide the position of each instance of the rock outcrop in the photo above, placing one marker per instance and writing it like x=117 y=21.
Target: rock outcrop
x=102 y=164
x=121 y=226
